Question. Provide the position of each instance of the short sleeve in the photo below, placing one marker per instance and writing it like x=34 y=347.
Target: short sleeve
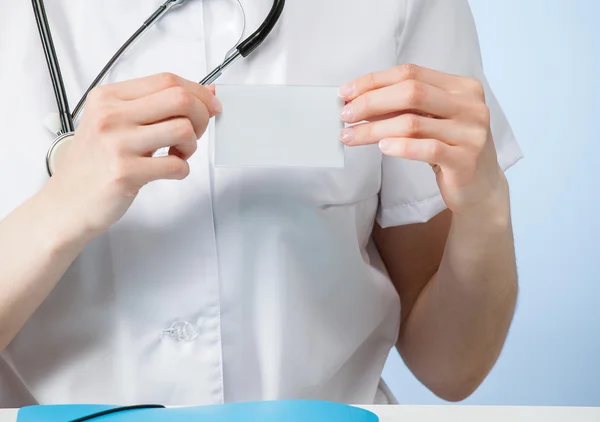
x=438 y=34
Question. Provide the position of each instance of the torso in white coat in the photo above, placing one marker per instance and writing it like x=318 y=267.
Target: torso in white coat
x=271 y=271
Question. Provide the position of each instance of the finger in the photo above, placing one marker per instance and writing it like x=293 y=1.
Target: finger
x=406 y=96
x=402 y=73
x=143 y=87
x=408 y=125
x=169 y=167
x=178 y=133
x=168 y=104
x=184 y=150
x=204 y=94
x=425 y=150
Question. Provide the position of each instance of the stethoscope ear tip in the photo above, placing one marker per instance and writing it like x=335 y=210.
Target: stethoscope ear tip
x=52 y=123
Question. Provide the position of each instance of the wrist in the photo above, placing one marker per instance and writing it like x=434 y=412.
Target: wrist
x=59 y=227
x=492 y=214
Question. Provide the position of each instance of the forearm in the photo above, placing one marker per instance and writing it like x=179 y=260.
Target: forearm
x=459 y=323
x=37 y=245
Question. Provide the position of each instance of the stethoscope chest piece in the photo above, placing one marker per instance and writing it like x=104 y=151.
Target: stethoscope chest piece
x=57 y=151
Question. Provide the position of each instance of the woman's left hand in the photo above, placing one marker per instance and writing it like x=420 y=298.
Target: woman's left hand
x=425 y=115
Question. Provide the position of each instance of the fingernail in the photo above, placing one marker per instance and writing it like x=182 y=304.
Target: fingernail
x=217 y=106
x=347 y=135
x=384 y=145
x=346 y=91
x=347 y=112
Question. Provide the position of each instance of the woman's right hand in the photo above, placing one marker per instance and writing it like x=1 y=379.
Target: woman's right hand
x=110 y=157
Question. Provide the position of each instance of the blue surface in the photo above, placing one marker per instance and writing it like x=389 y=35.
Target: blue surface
x=273 y=411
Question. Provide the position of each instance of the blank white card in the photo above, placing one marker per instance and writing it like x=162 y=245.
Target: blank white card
x=279 y=126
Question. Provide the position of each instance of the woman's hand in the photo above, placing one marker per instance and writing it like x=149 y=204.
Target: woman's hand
x=425 y=115
x=110 y=158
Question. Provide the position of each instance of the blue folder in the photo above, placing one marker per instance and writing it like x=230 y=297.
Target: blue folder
x=268 y=411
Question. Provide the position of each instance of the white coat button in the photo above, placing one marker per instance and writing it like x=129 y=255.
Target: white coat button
x=180 y=331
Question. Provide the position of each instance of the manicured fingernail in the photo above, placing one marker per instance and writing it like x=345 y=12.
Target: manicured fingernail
x=347 y=112
x=346 y=91
x=384 y=145
x=348 y=135
x=217 y=106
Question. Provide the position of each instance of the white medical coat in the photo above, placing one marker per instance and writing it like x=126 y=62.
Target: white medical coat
x=271 y=270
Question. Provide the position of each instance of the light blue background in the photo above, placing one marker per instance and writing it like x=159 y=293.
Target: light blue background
x=542 y=58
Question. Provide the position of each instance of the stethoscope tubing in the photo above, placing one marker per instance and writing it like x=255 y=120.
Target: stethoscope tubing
x=244 y=49
x=156 y=16
x=58 y=85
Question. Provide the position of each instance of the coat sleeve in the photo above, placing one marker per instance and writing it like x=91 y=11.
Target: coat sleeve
x=438 y=34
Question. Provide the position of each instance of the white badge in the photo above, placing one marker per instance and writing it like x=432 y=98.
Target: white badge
x=279 y=126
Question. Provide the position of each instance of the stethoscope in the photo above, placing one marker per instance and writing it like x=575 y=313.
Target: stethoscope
x=67 y=125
